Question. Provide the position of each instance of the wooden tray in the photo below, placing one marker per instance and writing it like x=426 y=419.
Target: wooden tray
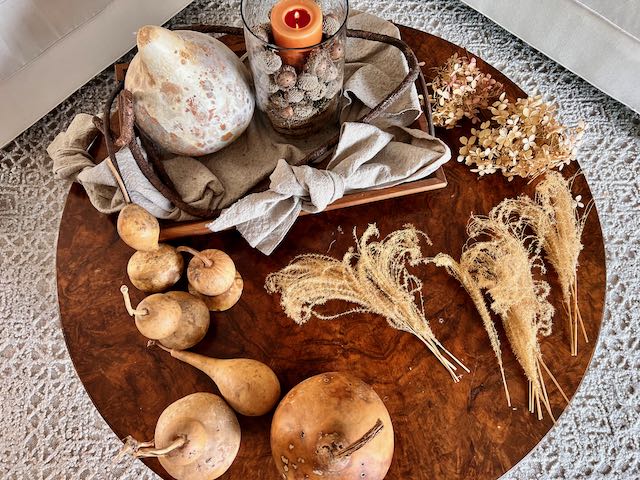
x=442 y=430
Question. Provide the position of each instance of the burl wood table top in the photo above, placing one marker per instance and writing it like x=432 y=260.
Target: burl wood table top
x=442 y=430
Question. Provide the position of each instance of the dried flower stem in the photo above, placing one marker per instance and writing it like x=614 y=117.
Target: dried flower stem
x=373 y=276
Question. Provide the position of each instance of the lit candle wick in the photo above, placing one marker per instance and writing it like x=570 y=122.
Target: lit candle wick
x=297 y=17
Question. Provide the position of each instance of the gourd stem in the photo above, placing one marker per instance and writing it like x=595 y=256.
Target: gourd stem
x=207 y=262
x=358 y=444
x=160 y=452
x=127 y=303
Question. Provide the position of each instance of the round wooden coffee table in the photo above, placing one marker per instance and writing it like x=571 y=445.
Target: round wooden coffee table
x=442 y=430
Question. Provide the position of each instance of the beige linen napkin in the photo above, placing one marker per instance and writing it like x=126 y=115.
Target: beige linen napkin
x=372 y=71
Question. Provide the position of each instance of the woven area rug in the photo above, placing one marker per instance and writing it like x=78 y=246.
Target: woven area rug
x=50 y=429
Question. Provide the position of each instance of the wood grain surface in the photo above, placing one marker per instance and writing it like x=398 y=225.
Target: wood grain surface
x=442 y=430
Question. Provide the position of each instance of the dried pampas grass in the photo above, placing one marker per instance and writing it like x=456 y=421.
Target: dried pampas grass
x=460 y=271
x=498 y=261
x=373 y=276
x=558 y=227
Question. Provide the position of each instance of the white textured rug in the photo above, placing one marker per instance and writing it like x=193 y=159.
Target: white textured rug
x=50 y=429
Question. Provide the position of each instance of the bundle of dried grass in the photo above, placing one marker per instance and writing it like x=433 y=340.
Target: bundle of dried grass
x=499 y=262
x=461 y=273
x=373 y=276
x=558 y=227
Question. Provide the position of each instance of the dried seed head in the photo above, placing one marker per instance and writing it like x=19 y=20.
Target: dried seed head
x=262 y=31
x=272 y=86
x=269 y=62
x=307 y=82
x=294 y=95
x=332 y=89
x=331 y=73
x=303 y=111
x=317 y=93
x=330 y=25
x=318 y=63
x=286 y=78
x=278 y=101
x=337 y=51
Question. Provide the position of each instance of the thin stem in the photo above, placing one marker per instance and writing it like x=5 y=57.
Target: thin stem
x=207 y=262
x=127 y=303
x=577 y=308
x=160 y=452
x=362 y=441
x=553 y=379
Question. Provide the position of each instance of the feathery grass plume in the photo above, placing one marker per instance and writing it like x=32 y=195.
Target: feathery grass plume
x=558 y=227
x=373 y=276
x=503 y=266
x=561 y=241
x=460 y=271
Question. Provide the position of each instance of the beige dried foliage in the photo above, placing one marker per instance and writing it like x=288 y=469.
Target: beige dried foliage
x=521 y=139
x=461 y=273
x=373 y=276
x=496 y=259
x=557 y=225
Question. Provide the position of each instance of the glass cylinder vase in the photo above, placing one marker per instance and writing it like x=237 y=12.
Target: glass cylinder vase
x=297 y=88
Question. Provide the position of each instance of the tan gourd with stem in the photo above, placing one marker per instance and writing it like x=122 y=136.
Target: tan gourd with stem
x=224 y=301
x=332 y=425
x=211 y=272
x=155 y=270
x=157 y=316
x=196 y=438
x=175 y=319
x=136 y=226
x=249 y=386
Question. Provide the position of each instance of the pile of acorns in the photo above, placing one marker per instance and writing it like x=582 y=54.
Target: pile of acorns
x=292 y=97
x=176 y=319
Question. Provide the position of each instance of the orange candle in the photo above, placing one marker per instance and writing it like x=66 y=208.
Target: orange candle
x=296 y=24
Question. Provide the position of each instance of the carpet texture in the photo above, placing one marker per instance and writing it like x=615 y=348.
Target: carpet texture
x=50 y=429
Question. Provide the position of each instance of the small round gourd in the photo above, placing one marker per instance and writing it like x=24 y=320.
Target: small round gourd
x=194 y=322
x=224 y=301
x=211 y=272
x=155 y=270
x=157 y=316
x=196 y=438
x=138 y=228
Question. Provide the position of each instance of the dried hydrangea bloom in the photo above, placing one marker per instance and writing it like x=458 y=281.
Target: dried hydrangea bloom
x=522 y=139
x=461 y=90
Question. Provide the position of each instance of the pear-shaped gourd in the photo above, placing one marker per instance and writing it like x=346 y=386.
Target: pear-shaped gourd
x=191 y=93
x=249 y=386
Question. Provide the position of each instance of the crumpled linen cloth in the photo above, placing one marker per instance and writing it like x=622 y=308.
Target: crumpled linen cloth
x=372 y=160
x=385 y=153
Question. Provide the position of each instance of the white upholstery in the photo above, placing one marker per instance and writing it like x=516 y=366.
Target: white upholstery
x=598 y=40
x=49 y=48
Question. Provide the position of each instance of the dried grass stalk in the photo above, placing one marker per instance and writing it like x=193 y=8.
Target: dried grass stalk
x=499 y=261
x=373 y=276
x=503 y=266
x=461 y=273
x=558 y=227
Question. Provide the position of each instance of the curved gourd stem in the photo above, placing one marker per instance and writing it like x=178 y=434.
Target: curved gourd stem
x=127 y=303
x=160 y=452
x=362 y=441
x=207 y=262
